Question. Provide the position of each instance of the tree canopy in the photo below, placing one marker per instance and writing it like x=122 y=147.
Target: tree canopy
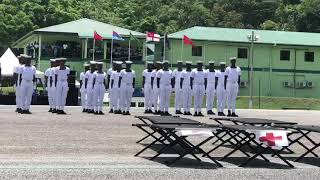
x=18 y=17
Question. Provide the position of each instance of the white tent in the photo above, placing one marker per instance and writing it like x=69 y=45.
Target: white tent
x=8 y=61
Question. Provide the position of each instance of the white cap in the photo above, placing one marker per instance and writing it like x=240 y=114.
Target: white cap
x=100 y=63
x=52 y=60
x=93 y=62
x=61 y=59
x=86 y=65
x=128 y=62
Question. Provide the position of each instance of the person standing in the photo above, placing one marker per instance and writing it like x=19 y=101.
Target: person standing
x=109 y=72
x=88 y=85
x=165 y=84
x=211 y=86
x=186 y=88
x=126 y=85
x=99 y=88
x=49 y=83
x=61 y=83
x=232 y=78
x=17 y=76
x=197 y=83
x=82 y=88
x=155 y=89
x=27 y=83
x=221 y=92
x=147 y=84
x=114 y=89
x=177 y=88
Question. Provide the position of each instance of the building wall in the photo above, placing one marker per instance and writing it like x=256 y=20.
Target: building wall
x=269 y=71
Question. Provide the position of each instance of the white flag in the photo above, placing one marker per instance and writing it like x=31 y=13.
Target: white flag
x=274 y=138
x=151 y=36
x=195 y=132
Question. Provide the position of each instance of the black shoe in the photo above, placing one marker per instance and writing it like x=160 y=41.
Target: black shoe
x=127 y=113
x=150 y=111
x=17 y=110
x=123 y=113
x=234 y=115
x=101 y=113
x=62 y=112
x=96 y=112
x=111 y=111
x=58 y=111
x=91 y=111
x=200 y=114
x=167 y=113
x=50 y=110
x=229 y=113
x=83 y=110
x=185 y=113
x=195 y=114
x=178 y=112
x=54 y=111
x=146 y=111
x=27 y=112
x=117 y=112
x=222 y=114
x=210 y=112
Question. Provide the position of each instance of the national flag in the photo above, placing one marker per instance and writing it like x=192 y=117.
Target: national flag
x=133 y=38
x=97 y=36
x=116 y=36
x=187 y=40
x=151 y=36
x=274 y=138
x=167 y=41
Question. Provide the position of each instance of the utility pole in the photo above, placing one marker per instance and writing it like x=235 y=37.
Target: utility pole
x=252 y=38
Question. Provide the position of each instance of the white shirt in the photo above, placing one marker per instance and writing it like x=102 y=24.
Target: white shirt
x=100 y=77
x=233 y=74
x=221 y=76
x=147 y=76
x=127 y=77
x=50 y=73
x=115 y=77
x=186 y=78
x=28 y=72
x=177 y=75
x=62 y=74
x=165 y=77
x=82 y=78
x=109 y=72
x=198 y=76
x=154 y=74
x=18 y=69
x=211 y=77
x=89 y=76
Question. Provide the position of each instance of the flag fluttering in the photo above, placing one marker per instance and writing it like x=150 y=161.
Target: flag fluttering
x=151 y=36
x=187 y=40
x=116 y=36
x=133 y=38
x=97 y=36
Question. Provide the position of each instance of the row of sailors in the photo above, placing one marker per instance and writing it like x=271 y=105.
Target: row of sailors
x=159 y=83
x=121 y=83
x=25 y=83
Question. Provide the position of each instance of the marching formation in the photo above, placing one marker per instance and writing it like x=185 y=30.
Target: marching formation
x=216 y=86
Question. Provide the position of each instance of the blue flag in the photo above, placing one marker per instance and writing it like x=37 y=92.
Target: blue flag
x=116 y=36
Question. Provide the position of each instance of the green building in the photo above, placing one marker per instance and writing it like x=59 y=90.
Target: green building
x=285 y=64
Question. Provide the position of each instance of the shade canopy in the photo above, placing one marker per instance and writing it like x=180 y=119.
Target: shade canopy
x=8 y=61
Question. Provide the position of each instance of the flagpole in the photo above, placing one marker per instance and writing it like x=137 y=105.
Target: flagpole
x=94 y=45
x=146 y=48
x=111 y=52
x=129 y=49
x=181 y=49
x=204 y=54
x=164 y=47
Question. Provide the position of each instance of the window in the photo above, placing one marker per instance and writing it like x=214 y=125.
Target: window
x=197 y=51
x=285 y=55
x=309 y=56
x=243 y=53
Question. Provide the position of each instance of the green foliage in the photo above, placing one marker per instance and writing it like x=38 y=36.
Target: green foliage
x=18 y=17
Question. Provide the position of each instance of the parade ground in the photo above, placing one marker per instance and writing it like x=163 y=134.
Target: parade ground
x=85 y=146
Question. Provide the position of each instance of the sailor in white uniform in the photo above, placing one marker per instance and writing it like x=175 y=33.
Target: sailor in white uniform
x=165 y=84
x=197 y=82
x=147 y=84
x=61 y=83
x=127 y=85
x=27 y=83
x=88 y=84
x=186 y=88
x=82 y=88
x=49 y=83
x=177 y=88
x=232 y=78
x=211 y=85
x=109 y=72
x=17 y=77
x=221 y=92
x=114 y=89
x=99 y=88
x=155 y=89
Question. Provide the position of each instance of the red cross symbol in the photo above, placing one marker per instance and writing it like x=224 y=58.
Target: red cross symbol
x=270 y=139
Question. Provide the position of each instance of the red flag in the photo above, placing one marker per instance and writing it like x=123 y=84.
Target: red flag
x=97 y=36
x=187 y=40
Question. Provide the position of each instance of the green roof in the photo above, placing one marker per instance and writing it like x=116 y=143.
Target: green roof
x=240 y=36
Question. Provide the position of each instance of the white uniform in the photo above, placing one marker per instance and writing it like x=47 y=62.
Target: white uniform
x=17 y=70
x=232 y=86
x=115 y=91
x=186 y=91
x=109 y=72
x=221 y=92
x=62 y=87
x=155 y=91
x=49 y=73
x=147 y=89
x=165 y=89
x=27 y=74
x=198 y=88
x=99 y=90
x=211 y=89
x=178 y=91
x=89 y=89
x=83 y=91
x=126 y=89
